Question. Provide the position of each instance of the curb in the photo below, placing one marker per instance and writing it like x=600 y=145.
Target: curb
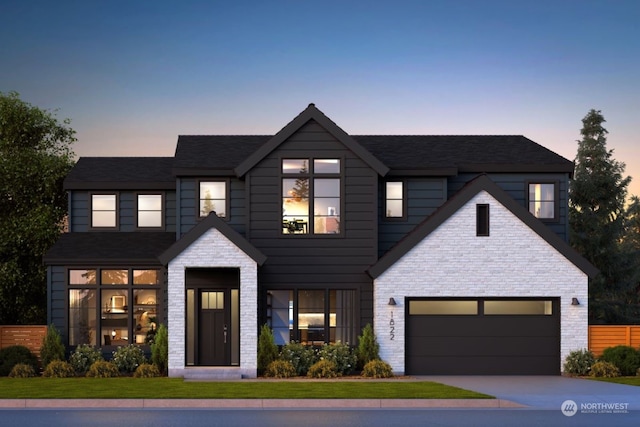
x=256 y=403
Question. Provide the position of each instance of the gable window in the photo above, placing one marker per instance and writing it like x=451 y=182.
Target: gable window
x=394 y=199
x=103 y=210
x=213 y=198
x=482 y=220
x=542 y=200
x=149 y=210
x=311 y=196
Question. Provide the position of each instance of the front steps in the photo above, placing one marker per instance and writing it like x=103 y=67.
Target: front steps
x=212 y=373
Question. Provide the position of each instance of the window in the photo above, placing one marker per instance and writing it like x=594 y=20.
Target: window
x=149 y=210
x=542 y=200
x=443 y=307
x=106 y=310
x=213 y=198
x=299 y=182
x=103 y=210
x=522 y=307
x=394 y=200
x=482 y=220
x=312 y=317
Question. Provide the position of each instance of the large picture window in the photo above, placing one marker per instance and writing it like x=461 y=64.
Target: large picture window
x=312 y=317
x=311 y=190
x=111 y=307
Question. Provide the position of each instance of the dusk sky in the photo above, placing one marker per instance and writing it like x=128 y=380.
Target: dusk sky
x=133 y=75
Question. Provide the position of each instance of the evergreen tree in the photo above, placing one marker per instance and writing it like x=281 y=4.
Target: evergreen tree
x=596 y=218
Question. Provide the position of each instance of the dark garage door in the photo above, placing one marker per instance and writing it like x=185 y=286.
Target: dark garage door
x=490 y=336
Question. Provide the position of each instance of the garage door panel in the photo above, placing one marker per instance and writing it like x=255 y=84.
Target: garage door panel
x=486 y=346
x=467 y=365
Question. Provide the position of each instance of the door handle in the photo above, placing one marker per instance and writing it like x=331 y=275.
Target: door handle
x=225 y=334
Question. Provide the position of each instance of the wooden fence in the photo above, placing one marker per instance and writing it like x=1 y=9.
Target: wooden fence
x=603 y=336
x=28 y=336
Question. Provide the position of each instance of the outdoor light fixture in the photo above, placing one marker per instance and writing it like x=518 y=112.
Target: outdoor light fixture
x=392 y=301
x=574 y=301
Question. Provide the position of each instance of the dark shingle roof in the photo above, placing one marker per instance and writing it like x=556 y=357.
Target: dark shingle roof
x=121 y=173
x=472 y=153
x=104 y=247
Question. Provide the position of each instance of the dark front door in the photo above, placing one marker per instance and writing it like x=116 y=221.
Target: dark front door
x=213 y=328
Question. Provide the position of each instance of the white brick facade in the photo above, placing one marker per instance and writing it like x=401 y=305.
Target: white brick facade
x=452 y=261
x=213 y=249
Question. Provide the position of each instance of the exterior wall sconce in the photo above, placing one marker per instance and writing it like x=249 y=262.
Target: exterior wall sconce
x=574 y=301
x=392 y=301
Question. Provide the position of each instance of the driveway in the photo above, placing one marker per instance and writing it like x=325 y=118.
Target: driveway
x=549 y=392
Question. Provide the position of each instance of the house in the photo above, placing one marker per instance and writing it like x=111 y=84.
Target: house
x=453 y=247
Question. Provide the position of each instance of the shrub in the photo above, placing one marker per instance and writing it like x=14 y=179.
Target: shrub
x=377 y=369
x=267 y=348
x=323 y=369
x=11 y=356
x=280 y=369
x=300 y=356
x=83 y=357
x=59 y=369
x=146 y=370
x=368 y=348
x=579 y=362
x=103 y=369
x=128 y=358
x=604 y=369
x=626 y=358
x=340 y=354
x=52 y=347
x=22 y=370
x=160 y=349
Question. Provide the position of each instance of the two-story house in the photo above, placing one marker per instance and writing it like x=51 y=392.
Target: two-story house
x=453 y=247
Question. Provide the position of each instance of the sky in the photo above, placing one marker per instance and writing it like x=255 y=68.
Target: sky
x=133 y=75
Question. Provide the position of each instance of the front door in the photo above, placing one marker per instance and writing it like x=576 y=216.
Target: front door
x=213 y=328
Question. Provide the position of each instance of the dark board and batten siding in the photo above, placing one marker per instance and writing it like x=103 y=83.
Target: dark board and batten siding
x=316 y=261
x=57 y=310
x=423 y=197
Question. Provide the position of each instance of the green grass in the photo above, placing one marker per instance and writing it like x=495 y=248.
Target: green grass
x=176 y=388
x=619 y=380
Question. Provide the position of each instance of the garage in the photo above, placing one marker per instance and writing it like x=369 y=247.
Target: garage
x=483 y=336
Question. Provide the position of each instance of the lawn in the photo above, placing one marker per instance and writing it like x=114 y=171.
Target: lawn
x=620 y=380
x=176 y=388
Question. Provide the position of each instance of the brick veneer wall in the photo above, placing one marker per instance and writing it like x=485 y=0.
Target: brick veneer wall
x=453 y=262
x=213 y=249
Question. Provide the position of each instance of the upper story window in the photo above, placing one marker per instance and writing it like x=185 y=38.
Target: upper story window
x=482 y=220
x=213 y=198
x=149 y=210
x=311 y=191
x=103 y=210
x=542 y=200
x=394 y=200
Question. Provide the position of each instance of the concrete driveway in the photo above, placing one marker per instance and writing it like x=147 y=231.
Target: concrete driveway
x=549 y=392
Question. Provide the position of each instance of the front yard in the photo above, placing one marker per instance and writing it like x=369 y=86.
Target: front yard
x=176 y=388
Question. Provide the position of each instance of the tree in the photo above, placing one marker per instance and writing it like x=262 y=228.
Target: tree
x=35 y=156
x=597 y=218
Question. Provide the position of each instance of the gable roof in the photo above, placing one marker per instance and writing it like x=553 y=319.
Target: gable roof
x=311 y=113
x=123 y=248
x=212 y=221
x=121 y=173
x=481 y=183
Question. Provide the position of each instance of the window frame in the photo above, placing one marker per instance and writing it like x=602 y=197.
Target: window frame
x=227 y=198
x=115 y=227
x=311 y=176
x=162 y=211
x=556 y=200
x=403 y=200
x=130 y=291
x=483 y=221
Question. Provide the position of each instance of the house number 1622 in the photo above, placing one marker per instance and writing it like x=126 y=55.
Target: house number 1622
x=392 y=328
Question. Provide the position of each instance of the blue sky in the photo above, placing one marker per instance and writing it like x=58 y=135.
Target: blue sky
x=133 y=75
